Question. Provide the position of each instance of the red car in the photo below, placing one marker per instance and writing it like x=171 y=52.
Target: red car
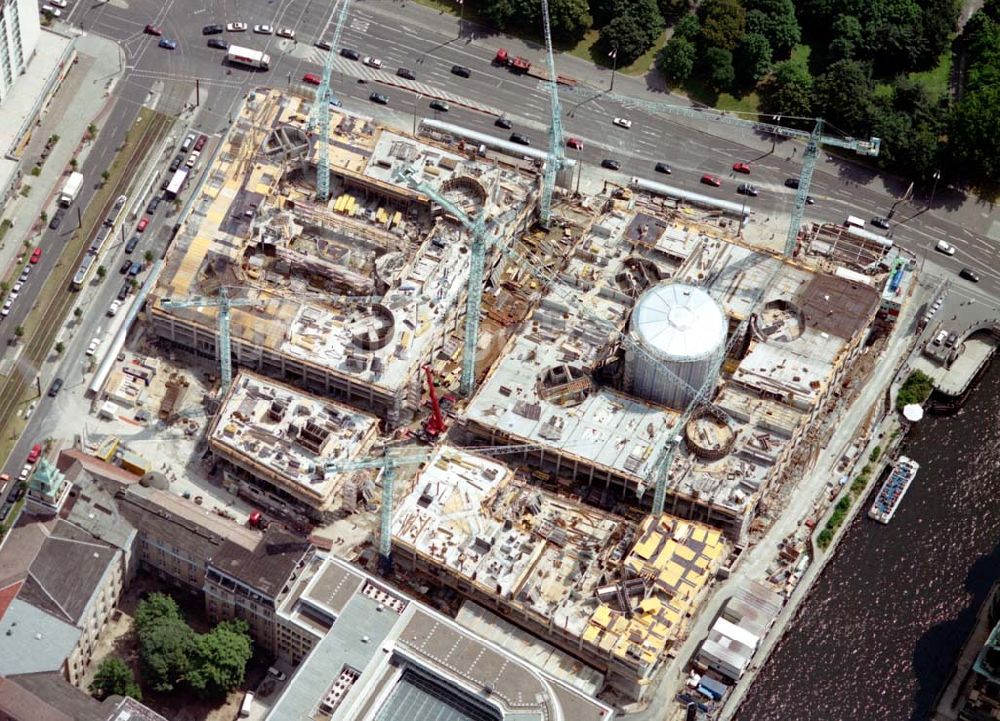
x=35 y=453
x=311 y=78
x=142 y=225
x=153 y=30
x=574 y=143
x=36 y=256
x=741 y=168
x=200 y=142
x=712 y=180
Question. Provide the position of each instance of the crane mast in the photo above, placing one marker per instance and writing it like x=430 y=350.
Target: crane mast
x=322 y=108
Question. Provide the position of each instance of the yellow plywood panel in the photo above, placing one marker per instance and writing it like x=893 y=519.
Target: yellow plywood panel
x=650 y=605
x=620 y=625
x=397 y=218
x=699 y=535
x=591 y=633
x=661 y=630
x=672 y=617
x=685 y=553
x=712 y=539
x=671 y=574
x=608 y=641
x=602 y=616
x=645 y=549
x=713 y=552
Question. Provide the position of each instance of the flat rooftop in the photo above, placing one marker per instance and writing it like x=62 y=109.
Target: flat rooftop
x=286 y=436
x=386 y=656
x=556 y=560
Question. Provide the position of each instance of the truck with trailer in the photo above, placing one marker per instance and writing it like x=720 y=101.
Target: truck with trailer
x=523 y=66
x=70 y=189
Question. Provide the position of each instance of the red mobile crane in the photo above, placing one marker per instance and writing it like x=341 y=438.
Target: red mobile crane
x=434 y=426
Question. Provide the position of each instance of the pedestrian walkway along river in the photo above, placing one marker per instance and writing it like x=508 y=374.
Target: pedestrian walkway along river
x=879 y=635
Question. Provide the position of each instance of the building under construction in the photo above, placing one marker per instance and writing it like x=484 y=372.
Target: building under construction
x=611 y=593
x=276 y=444
x=350 y=297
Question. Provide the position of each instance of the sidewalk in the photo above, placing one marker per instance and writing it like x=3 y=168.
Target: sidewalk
x=81 y=98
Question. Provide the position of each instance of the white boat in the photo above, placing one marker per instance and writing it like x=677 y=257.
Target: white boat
x=890 y=495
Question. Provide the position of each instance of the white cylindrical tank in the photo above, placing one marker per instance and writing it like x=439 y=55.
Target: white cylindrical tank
x=680 y=332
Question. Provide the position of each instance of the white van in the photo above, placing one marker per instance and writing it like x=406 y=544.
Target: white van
x=855 y=221
x=246 y=705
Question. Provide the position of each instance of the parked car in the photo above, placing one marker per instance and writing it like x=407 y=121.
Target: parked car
x=25 y=273
x=747 y=189
x=312 y=79
x=439 y=105
x=520 y=139
x=611 y=164
x=286 y=33
x=95 y=343
x=51 y=11
x=379 y=98
x=969 y=274
x=218 y=44
x=276 y=673
x=168 y=44
x=35 y=453
x=142 y=225
x=113 y=308
x=263 y=29
x=663 y=168
x=124 y=267
x=712 y=180
x=57 y=219
x=132 y=242
x=350 y=54
x=945 y=247
x=176 y=162
x=574 y=143
x=135 y=269
x=200 y=142
x=461 y=71
x=56 y=386
x=406 y=73
x=741 y=168
x=324 y=45
x=236 y=27
x=152 y=30
x=880 y=222
x=36 y=255
x=124 y=290
x=192 y=159
x=213 y=29
x=372 y=62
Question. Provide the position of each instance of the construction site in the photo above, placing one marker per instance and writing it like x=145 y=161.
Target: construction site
x=573 y=423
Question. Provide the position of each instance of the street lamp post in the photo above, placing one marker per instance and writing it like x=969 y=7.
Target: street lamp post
x=774 y=136
x=415 y=101
x=614 y=66
x=937 y=177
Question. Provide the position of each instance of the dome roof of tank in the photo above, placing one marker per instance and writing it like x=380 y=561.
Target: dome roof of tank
x=679 y=322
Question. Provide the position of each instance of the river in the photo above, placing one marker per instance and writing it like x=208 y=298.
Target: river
x=880 y=633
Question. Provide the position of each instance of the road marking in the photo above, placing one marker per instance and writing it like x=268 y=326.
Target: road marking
x=360 y=25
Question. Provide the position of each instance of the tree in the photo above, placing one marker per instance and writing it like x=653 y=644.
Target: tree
x=165 y=649
x=92 y=129
x=788 y=90
x=688 y=28
x=972 y=134
x=77 y=312
x=752 y=58
x=155 y=608
x=59 y=348
x=43 y=216
x=634 y=31
x=846 y=40
x=74 y=163
x=105 y=175
x=19 y=331
x=776 y=21
x=843 y=96
x=676 y=61
x=671 y=9
x=722 y=23
x=114 y=678
x=719 y=70
x=102 y=272
x=569 y=18
x=148 y=256
x=219 y=659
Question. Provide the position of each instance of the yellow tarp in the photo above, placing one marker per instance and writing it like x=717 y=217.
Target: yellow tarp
x=645 y=549
x=602 y=616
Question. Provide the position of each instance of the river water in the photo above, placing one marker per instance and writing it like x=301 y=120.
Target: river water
x=886 y=620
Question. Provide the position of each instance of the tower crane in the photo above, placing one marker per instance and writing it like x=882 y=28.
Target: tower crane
x=225 y=303
x=814 y=140
x=321 y=108
x=394 y=457
x=557 y=150
x=478 y=232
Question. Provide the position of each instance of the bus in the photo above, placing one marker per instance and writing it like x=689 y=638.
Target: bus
x=854 y=221
x=248 y=57
x=176 y=184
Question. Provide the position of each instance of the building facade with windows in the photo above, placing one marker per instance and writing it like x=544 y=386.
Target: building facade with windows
x=19 y=31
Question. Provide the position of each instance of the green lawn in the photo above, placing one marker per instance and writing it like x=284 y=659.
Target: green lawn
x=936 y=80
x=587 y=50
